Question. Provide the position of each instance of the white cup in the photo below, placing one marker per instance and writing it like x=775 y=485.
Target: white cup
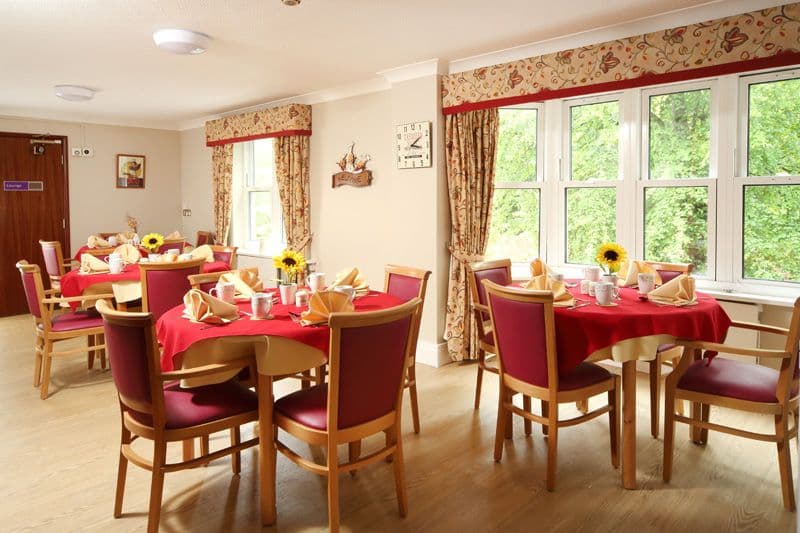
x=646 y=281
x=316 y=281
x=261 y=305
x=113 y=256
x=173 y=251
x=349 y=290
x=112 y=240
x=225 y=291
x=591 y=273
x=154 y=258
x=301 y=298
x=185 y=257
x=605 y=292
x=115 y=264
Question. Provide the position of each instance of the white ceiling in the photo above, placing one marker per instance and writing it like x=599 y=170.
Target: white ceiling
x=261 y=50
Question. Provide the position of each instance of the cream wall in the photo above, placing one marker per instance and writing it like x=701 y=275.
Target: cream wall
x=95 y=204
x=195 y=174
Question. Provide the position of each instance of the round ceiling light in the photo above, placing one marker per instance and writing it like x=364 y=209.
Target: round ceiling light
x=291 y=2
x=74 y=93
x=181 y=41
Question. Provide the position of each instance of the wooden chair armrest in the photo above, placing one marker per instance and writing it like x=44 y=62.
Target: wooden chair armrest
x=205 y=370
x=480 y=307
x=67 y=299
x=735 y=350
x=51 y=291
x=760 y=327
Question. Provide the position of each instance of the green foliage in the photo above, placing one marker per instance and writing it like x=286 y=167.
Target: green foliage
x=680 y=135
x=591 y=221
x=515 y=225
x=774 y=130
x=676 y=225
x=772 y=232
x=594 y=139
x=516 y=146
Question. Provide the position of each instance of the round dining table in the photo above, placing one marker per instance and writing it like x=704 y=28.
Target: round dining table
x=628 y=331
x=281 y=346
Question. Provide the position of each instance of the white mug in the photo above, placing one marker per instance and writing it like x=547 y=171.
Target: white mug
x=261 y=305
x=173 y=251
x=349 y=290
x=225 y=291
x=116 y=265
x=113 y=256
x=316 y=281
x=112 y=240
x=591 y=273
x=647 y=282
x=605 y=292
x=185 y=257
x=154 y=258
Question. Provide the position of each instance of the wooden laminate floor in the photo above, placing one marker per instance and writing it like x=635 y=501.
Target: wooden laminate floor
x=58 y=464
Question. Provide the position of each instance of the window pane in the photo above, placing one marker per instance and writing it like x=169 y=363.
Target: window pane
x=680 y=135
x=771 y=232
x=594 y=138
x=263 y=166
x=676 y=225
x=260 y=214
x=514 y=231
x=773 y=142
x=591 y=221
x=516 y=146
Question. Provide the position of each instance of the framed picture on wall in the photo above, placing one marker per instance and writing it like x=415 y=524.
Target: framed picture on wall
x=130 y=171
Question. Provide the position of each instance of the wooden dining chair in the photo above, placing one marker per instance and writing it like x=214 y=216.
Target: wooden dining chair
x=408 y=283
x=525 y=339
x=54 y=263
x=226 y=254
x=363 y=397
x=154 y=406
x=205 y=282
x=100 y=253
x=165 y=284
x=735 y=384
x=666 y=354
x=172 y=244
x=204 y=237
x=51 y=328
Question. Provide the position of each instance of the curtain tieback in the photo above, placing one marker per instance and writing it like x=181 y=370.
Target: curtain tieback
x=301 y=243
x=464 y=257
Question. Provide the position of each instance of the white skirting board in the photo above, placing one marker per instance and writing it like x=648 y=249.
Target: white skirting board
x=432 y=354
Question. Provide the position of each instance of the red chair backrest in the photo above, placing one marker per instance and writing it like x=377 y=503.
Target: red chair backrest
x=496 y=275
x=52 y=261
x=223 y=256
x=404 y=287
x=668 y=275
x=171 y=245
x=371 y=370
x=203 y=238
x=127 y=347
x=32 y=295
x=166 y=288
x=520 y=334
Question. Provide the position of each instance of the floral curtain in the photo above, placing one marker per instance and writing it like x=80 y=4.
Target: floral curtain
x=471 y=142
x=222 y=161
x=292 y=165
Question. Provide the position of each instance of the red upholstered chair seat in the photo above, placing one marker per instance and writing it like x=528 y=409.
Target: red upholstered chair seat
x=732 y=379
x=76 y=320
x=584 y=375
x=200 y=405
x=307 y=406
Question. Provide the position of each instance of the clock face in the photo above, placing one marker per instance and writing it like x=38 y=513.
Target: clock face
x=413 y=145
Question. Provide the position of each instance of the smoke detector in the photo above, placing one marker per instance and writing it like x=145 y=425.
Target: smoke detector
x=74 y=93
x=179 y=41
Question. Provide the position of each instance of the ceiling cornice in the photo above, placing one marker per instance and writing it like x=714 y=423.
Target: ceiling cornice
x=422 y=69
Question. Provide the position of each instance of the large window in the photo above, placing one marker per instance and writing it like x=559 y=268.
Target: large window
x=514 y=229
x=770 y=187
x=257 y=224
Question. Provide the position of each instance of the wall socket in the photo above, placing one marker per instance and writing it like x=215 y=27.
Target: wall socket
x=187 y=212
x=87 y=151
x=77 y=152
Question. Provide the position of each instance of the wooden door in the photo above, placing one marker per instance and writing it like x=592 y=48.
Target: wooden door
x=28 y=214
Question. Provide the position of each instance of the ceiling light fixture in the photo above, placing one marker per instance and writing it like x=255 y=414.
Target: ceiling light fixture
x=291 y=2
x=181 y=41
x=74 y=93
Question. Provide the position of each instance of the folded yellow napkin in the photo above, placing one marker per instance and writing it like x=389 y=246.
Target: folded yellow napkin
x=245 y=283
x=543 y=282
x=129 y=253
x=678 y=292
x=539 y=267
x=203 y=252
x=96 y=242
x=202 y=307
x=351 y=276
x=90 y=264
x=174 y=235
x=250 y=276
x=322 y=304
x=630 y=270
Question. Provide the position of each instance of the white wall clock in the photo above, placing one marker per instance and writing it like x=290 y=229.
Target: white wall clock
x=413 y=142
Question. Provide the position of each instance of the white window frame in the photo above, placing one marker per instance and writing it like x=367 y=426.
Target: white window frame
x=710 y=182
x=741 y=180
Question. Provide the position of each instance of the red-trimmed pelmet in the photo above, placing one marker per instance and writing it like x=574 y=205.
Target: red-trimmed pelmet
x=283 y=121
x=768 y=38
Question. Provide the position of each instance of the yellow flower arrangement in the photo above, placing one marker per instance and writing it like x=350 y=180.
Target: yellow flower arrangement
x=610 y=256
x=290 y=262
x=153 y=241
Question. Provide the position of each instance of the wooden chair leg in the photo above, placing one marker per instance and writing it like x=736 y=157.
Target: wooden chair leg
x=205 y=446
x=785 y=460
x=705 y=410
x=655 y=395
x=500 y=431
x=353 y=453
x=48 y=361
x=122 y=471
x=552 y=447
x=509 y=416
x=679 y=403
x=526 y=405
x=188 y=449
x=102 y=340
x=90 y=342
x=545 y=410
x=582 y=405
x=695 y=415
x=614 y=400
x=389 y=441
x=305 y=383
x=37 y=365
x=156 y=486
x=412 y=394
x=669 y=432
x=236 y=458
x=333 y=488
x=399 y=474
x=481 y=363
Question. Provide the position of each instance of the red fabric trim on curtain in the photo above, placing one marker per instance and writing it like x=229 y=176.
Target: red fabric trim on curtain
x=782 y=59
x=284 y=133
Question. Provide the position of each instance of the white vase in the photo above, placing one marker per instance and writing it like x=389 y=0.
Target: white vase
x=287 y=293
x=612 y=278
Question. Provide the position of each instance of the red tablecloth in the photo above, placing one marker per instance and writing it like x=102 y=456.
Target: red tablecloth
x=74 y=283
x=176 y=334
x=84 y=248
x=582 y=331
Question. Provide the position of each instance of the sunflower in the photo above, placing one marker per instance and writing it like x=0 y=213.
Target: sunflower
x=290 y=262
x=610 y=256
x=153 y=241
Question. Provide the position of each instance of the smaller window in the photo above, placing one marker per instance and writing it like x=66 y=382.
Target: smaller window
x=591 y=220
x=773 y=123
x=771 y=232
x=676 y=225
x=680 y=135
x=594 y=141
